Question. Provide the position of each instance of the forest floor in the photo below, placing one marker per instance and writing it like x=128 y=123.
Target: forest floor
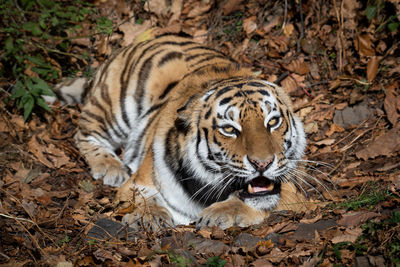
x=340 y=63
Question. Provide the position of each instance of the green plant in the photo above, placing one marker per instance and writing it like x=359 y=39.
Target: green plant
x=375 y=8
x=370 y=196
x=66 y=239
x=386 y=233
x=36 y=35
x=178 y=260
x=215 y=262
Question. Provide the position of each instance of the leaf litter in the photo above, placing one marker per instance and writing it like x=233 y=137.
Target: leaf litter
x=342 y=74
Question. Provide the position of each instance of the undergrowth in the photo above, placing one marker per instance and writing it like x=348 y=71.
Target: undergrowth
x=36 y=36
x=371 y=194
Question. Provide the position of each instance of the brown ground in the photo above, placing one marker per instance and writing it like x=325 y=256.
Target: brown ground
x=342 y=71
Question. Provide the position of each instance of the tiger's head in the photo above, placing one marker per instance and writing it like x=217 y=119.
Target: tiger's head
x=244 y=138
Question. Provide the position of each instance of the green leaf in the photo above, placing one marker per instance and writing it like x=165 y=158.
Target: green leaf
x=40 y=102
x=37 y=61
x=32 y=27
x=19 y=90
x=41 y=71
x=9 y=45
x=393 y=26
x=370 y=12
x=54 y=21
x=104 y=25
x=45 y=89
x=28 y=106
x=29 y=83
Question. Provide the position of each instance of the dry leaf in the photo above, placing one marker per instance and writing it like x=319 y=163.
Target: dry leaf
x=104 y=48
x=158 y=7
x=50 y=155
x=176 y=10
x=325 y=142
x=231 y=6
x=292 y=82
x=349 y=12
x=349 y=235
x=372 y=68
x=392 y=104
x=384 y=145
x=250 y=25
x=335 y=128
x=37 y=150
x=298 y=66
x=279 y=43
x=364 y=45
x=288 y=29
x=131 y=31
x=271 y=24
x=199 y=9
x=356 y=218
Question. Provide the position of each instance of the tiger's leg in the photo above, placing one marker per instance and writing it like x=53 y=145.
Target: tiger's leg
x=231 y=212
x=103 y=162
x=148 y=212
x=234 y=212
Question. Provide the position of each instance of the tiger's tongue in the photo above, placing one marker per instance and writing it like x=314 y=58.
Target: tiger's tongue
x=254 y=189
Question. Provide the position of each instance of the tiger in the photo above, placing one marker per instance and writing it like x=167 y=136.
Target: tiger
x=201 y=138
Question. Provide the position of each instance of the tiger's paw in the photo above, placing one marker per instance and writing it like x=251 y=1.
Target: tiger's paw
x=110 y=170
x=232 y=212
x=153 y=220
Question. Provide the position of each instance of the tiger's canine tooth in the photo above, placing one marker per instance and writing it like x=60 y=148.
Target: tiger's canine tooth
x=250 y=189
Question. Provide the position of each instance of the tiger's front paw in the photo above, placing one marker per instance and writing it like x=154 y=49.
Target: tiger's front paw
x=110 y=170
x=152 y=220
x=231 y=212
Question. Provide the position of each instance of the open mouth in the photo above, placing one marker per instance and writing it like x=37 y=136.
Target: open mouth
x=260 y=186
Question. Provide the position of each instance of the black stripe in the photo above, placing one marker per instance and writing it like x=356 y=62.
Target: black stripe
x=139 y=140
x=263 y=92
x=207 y=59
x=105 y=94
x=214 y=124
x=208 y=114
x=225 y=100
x=125 y=75
x=93 y=116
x=107 y=116
x=216 y=141
x=152 y=109
x=143 y=76
x=170 y=56
x=256 y=84
x=187 y=103
x=189 y=58
x=86 y=90
x=224 y=90
x=204 y=48
x=169 y=87
x=209 y=153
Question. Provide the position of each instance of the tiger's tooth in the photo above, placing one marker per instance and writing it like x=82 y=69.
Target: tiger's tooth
x=250 y=189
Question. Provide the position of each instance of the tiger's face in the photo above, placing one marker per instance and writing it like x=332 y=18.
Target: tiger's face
x=247 y=134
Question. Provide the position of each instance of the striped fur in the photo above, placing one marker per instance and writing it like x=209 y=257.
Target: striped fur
x=196 y=129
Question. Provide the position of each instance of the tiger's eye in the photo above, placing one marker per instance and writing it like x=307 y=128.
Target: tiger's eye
x=229 y=129
x=273 y=122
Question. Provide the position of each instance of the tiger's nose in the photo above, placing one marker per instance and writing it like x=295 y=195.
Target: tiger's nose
x=261 y=165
